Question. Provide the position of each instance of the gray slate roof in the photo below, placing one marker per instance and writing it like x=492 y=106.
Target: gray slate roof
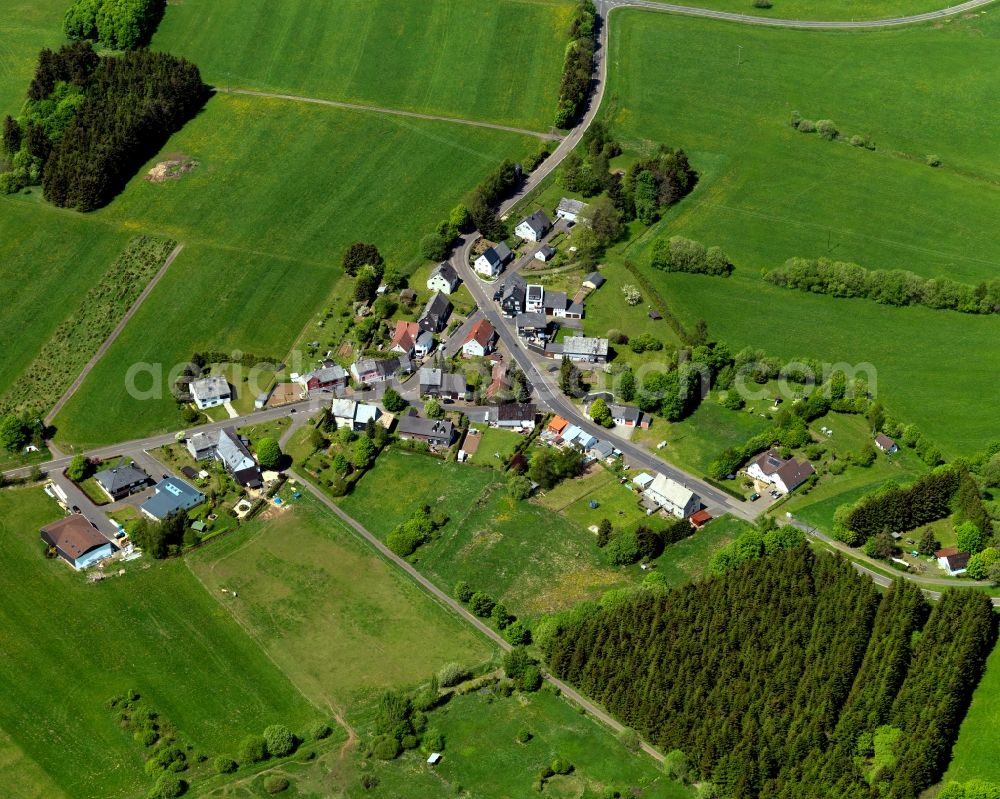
x=538 y=222
x=119 y=477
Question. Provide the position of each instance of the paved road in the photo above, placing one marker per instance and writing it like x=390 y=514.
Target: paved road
x=455 y=606
x=388 y=111
x=114 y=335
x=456 y=340
x=748 y=19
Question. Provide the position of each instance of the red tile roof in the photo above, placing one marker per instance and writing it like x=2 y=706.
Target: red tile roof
x=482 y=332
x=405 y=335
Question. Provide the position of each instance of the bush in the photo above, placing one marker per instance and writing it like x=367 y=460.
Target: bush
x=268 y=453
x=168 y=786
x=275 y=784
x=761 y=3
x=279 y=740
x=146 y=736
x=517 y=634
x=434 y=740
x=677 y=766
x=933 y=160
x=806 y=126
x=385 y=747
x=451 y=674
x=481 y=604
x=827 y=129
x=561 y=766
x=463 y=591
x=224 y=764
x=523 y=736
x=531 y=679
x=319 y=731
x=369 y=781
x=253 y=749
x=622 y=549
x=629 y=739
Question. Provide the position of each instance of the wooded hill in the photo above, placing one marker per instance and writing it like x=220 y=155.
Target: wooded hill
x=790 y=677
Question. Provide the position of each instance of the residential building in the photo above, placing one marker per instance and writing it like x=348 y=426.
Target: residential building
x=434 y=432
x=435 y=314
x=444 y=279
x=210 y=391
x=499 y=380
x=77 y=542
x=512 y=296
x=627 y=415
x=886 y=444
x=534 y=227
x=354 y=415
x=784 y=475
x=370 y=370
x=231 y=450
x=480 y=340
x=672 y=497
x=642 y=481
x=556 y=425
x=172 y=496
x=570 y=210
x=436 y=383
x=489 y=263
x=514 y=415
x=534 y=299
x=601 y=450
x=545 y=254
x=585 y=348
x=121 y=481
x=202 y=446
x=574 y=310
x=952 y=561
x=404 y=338
x=532 y=325
x=594 y=281
x=326 y=378
x=555 y=303
x=365 y=412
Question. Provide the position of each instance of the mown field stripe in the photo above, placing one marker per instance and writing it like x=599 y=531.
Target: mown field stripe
x=389 y=111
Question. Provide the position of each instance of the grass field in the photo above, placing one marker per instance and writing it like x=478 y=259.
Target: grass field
x=493 y=441
x=338 y=620
x=497 y=61
x=769 y=192
x=155 y=630
x=974 y=755
x=830 y=9
x=265 y=219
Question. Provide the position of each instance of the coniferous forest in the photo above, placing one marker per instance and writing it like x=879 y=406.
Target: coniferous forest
x=789 y=677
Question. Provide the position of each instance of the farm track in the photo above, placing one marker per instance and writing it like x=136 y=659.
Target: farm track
x=374 y=109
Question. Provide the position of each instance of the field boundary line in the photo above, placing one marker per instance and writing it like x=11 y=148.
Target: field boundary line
x=114 y=335
x=374 y=109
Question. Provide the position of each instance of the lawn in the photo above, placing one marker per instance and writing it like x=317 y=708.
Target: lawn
x=835 y=9
x=337 y=619
x=769 y=192
x=265 y=229
x=688 y=560
x=493 y=441
x=498 y=61
x=974 y=754
x=483 y=756
x=69 y=646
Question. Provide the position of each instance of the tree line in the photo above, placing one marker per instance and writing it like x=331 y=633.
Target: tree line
x=574 y=87
x=779 y=677
x=117 y=24
x=91 y=121
x=886 y=286
x=678 y=254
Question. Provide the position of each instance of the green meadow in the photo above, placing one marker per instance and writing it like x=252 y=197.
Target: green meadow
x=974 y=754
x=69 y=647
x=338 y=620
x=825 y=10
x=498 y=61
x=281 y=189
x=768 y=192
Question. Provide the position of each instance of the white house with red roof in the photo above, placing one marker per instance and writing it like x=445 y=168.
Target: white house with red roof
x=480 y=340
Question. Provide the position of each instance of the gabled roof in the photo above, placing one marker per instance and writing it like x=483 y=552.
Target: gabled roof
x=328 y=374
x=546 y=251
x=429 y=376
x=571 y=206
x=603 y=449
x=532 y=319
x=769 y=462
x=446 y=271
x=574 y=309
x=672 y=491
x=956 y=560
x=343 y=408
x=627 y=412
x=538 y=222
x=438 y=307
x=202 y=441
x=596 y=279
x=795 y=473
x=482 y=333
x=492 y=257
x=233 y=452
x=73 y=536
x=884 y=442
x=405 y=335
x=503 y=251
x=208 y=388
x=119 y=477
x=516 y=412
x=555 y=299
x=427 y=428
x=364 y=413
x=557 y=424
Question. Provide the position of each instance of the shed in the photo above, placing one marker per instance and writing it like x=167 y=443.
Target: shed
x=434 y=759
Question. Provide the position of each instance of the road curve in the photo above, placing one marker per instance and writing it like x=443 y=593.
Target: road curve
x=374 y=109
x=749 y=19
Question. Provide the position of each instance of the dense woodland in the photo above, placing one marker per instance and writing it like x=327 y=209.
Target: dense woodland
x=90 y=121
x=574 y=88
x=117 y=24
x=787 y=677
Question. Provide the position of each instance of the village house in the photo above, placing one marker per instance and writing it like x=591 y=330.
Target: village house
x=886 y=444
x=628 y=416
x=534 y=227
x=370 y=370
x=435 y=314
x=77 y=542
x=410 y=340
x=534 y=298
x=532 y=326
x=784 y=475
x=512 y=296
x=433 y=432
x=354 y=415
x=642 y=481
x=952 y=561
x=480 y=340
x=210 y=391
x=513 y=415
x=574 y=436
x=436 y=383
x=499 y=380
x=601 y=450
x=672 y=497
x=326 y=378
x=492 y=261
x=444 y=279
x=172 y=496
x=570 y=210
x=584 y=348
x=121 y=481
x=230 y=449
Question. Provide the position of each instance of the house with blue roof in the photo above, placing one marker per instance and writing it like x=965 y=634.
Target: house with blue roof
x=172 y=495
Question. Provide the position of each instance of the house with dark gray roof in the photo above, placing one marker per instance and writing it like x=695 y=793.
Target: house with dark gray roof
x=443 y=279
x=434 y=432
x=210 y=391
x=437 y=383
x=532 y=325
x=570 y=210
x=512 y=296
x=172 y=496
x=594 y=280
x=435 y=314
x=121 y=481
x=232 y=451
x=534 y=227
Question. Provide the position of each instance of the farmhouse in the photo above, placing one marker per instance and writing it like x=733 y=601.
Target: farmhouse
x=672 y=497
x=556 y=425
x=512 y=296
x=534 y=298
x=210 y=391
x=434 y=432
x=886 y=444
x=601 y=450
x=585 y=348
x=594 y=281
x=784 y=475
x=532 y=325
x=480 y=340
x=328 y=378
x=121 y=481
x=545 y=254
x=435 y=383
x=77 y=542
x=443 y=279
x=435 y=314
x=952 y=561
x=570 y=210
x=172 y=496
x=555 y=303
x=410 y=340
x=534 y=227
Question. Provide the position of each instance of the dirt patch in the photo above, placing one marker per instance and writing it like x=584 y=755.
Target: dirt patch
x=174 y=168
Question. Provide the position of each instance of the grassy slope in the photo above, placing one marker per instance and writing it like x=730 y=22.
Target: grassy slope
x=380 y=52
x=769 y=193
x=336 y=619
x=266 y=218
x=974 y=754
x=825 y=9
x=156 y=631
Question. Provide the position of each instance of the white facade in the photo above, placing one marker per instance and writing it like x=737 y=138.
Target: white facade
x=210 y=391
x=672 y=496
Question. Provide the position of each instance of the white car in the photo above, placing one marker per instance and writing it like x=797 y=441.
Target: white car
x=661 y=445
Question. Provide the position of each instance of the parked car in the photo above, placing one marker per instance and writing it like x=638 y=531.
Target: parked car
x=76 y=509
x=754 y=496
